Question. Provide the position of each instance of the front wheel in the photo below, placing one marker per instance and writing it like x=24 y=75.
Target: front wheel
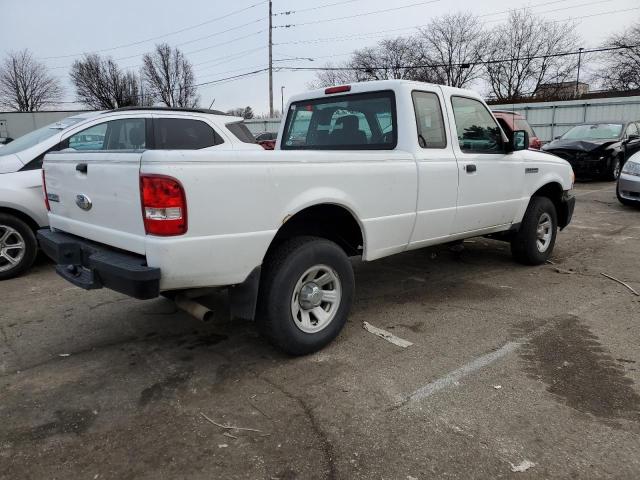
x=534 y=241
x=613 y=172
x=18 y=246
x=306 y=293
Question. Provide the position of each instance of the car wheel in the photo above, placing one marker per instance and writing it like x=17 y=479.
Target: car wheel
x=613 y=172
x=18 y=246
x=534 y=241
x=624 y=201
x=306 y=293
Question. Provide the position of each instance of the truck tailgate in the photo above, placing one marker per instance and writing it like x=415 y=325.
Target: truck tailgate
x=96 y=195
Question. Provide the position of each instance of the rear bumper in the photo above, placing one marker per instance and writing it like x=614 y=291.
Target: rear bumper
x=91 y=265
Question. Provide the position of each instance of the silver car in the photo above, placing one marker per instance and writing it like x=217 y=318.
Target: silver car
x=628 y=189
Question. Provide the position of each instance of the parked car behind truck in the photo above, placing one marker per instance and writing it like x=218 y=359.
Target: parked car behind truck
x=512 y=121
x=598 y=149
x=367 y=170
x=22 y=209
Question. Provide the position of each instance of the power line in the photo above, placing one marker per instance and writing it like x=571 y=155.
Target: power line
x=522 y=8
x=559 y=9
x=186 y=53
x=595 y=15
x=463 y=64
x=364 y=14
x=175 y=32
x=300 y=10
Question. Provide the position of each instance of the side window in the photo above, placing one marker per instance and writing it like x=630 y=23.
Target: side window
x=431 y=133
x=183 y=134
x=477 y=131
x=90 y=139
x=632 y=129
x=123 y=134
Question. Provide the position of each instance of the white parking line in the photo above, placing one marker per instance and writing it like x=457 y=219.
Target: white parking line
x=452 y=377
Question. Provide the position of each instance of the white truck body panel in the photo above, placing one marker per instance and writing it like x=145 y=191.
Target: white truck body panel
x=237 y=200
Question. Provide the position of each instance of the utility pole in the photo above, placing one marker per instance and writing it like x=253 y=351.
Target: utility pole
x=270 y=59
x=282 y=101
x=578 y=75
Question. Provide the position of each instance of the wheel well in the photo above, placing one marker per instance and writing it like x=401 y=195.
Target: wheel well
x=553 y=191
x=22 y=216
x=329 y=221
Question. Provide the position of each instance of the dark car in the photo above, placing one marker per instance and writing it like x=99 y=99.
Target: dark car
x=267 y=140
x=512 y=121
x=597 y=149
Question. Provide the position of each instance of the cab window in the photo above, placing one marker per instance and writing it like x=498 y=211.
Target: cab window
x=431 y=133
x=477 y=131
x=632 y=130
x=363 y=121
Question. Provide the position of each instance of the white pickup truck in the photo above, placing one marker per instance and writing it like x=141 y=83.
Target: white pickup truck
x=369 y=169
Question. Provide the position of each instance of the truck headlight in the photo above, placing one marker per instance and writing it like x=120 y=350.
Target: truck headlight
x=631 y=168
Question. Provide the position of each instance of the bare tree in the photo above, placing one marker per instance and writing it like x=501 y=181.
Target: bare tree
x=397 y=58
x=452 y=46
x=100 y=83
x=169 y=77
x=621 y=68
x=246 y=112
x=334 y=74
x=25 y=84
x=522 y=57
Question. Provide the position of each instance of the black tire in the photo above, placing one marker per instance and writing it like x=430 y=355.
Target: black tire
x=524 y=244
x=283 y=268
x=612 y=172
x=23 y=231
x=624 y=201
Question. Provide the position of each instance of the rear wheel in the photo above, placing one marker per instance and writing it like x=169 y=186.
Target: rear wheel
x=534 y=241
x=18 y=246
x=306 y=293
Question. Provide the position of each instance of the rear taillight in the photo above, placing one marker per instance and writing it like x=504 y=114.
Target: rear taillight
x=44 y=192
x=164 y=206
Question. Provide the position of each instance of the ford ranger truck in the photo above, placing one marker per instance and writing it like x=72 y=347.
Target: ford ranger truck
x=369 y=170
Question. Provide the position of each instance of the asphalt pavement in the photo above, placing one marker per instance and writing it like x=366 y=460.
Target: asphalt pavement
x=513 y=372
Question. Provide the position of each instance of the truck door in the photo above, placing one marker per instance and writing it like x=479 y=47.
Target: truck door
x=437 y=171
x=490 y=181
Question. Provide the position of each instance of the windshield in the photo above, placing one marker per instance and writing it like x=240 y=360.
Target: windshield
x=37 y=136
x=596 y=131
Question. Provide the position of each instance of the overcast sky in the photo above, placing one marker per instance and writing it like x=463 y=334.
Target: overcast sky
x=64 y=29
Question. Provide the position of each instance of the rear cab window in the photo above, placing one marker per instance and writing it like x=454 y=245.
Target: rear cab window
x=358 y=121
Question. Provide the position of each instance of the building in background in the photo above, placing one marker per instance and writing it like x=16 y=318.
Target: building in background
x=562 y=90
x=16 y=124
x=550 y=119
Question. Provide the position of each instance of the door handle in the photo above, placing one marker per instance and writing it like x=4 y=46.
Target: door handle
x=81 y=167
x=470 y=168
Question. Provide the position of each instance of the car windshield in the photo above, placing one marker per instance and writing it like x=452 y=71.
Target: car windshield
x=596 y=131
x=37 y=136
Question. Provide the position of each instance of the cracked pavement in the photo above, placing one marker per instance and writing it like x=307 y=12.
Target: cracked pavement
x=530 y=364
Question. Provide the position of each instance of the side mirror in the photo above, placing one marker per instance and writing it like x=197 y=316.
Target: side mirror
x=519 y=140
x=557 y=138
x=633 y=137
